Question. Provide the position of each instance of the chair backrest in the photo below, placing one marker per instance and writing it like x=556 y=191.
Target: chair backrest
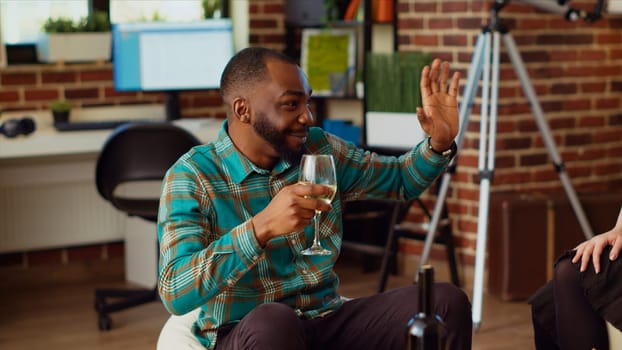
x=139 y=152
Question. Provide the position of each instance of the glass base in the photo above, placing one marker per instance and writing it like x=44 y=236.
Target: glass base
x=316 y=250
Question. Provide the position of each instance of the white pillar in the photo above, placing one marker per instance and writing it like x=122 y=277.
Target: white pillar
x=240 y=17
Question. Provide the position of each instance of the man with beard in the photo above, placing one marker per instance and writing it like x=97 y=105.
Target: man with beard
x=233 y=219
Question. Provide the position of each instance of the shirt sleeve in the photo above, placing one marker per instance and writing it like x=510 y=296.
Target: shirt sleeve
x=196 y=263
x=365 y=174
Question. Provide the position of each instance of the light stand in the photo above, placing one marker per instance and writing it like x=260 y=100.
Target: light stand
x=487 y=52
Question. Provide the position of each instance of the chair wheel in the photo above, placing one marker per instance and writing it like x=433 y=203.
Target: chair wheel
x=105 y=323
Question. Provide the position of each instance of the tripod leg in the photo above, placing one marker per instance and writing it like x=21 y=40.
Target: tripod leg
x=486 y=163
x=546 y=134
x=466 y=105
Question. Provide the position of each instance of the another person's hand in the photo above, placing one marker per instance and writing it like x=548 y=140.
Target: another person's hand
x=593 y=248
x=289 y=211
x=439 y=115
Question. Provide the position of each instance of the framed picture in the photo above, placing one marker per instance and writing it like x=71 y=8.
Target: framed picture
x=328 y=57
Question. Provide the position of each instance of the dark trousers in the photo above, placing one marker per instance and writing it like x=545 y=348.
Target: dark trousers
x=374 y=322
x=569 y=312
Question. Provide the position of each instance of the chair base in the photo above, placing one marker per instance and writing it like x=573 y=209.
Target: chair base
x=111 y=300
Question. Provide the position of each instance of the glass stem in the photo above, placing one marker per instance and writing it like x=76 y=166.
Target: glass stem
x=316 y=236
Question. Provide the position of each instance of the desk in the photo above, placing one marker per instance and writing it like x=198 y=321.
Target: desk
x=48 y=197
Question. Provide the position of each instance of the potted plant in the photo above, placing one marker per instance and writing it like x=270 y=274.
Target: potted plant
x=64 y=40
x=60 y=111
x=211 y=8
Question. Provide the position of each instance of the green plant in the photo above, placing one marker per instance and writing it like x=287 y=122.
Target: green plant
x=95 y=22
x=392 y=81
x=211 y=8
x=331 y=10
x=60 y=106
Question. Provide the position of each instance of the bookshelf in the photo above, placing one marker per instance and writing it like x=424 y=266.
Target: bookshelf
x=375 y=32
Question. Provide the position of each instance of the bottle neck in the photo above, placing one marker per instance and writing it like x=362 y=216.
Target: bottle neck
x=426 y=293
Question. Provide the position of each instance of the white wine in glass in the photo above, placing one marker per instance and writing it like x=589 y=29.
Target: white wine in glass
x=318 y=169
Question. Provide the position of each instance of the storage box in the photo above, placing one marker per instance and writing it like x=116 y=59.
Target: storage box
x=527 y=232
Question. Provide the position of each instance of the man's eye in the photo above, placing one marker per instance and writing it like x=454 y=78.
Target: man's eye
x=291 y=104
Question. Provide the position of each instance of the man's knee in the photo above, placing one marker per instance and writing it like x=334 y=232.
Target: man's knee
x=452 y=302
x=273 y=313
x=270 y=326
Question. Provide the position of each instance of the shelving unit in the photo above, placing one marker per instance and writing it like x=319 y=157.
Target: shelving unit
x=371 y=37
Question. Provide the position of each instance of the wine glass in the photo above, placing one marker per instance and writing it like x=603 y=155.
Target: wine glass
x=318 y=169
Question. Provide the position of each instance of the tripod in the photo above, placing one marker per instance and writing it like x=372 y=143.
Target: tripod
x=487 y=51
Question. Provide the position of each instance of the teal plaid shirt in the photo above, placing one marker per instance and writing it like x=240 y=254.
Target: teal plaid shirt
x=209 y=256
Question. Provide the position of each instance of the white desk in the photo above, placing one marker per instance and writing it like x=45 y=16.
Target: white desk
x=48 y=197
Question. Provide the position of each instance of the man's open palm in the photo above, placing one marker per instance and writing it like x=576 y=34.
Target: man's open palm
x=439 y=115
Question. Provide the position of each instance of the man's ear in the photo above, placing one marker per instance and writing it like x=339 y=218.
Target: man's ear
x=241 y=110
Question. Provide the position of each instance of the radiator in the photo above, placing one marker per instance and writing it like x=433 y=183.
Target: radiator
x=52 y=202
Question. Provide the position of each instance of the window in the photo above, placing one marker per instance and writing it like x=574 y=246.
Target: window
x=21 y=20
x=124 y=11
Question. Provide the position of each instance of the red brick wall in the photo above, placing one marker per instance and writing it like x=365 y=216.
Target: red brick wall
x=27 y=87
x=576 y=71
x=267 y=23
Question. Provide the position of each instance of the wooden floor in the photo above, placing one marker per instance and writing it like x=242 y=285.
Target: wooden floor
x=59 y=313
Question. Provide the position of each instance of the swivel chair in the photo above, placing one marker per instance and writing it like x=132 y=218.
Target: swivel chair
x=135 y=152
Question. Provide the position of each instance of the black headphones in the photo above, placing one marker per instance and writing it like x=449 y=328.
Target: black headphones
x=15 y=127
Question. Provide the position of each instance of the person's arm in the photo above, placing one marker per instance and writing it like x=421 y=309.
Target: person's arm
x=365 y=175
x=196 y=261
x=291 y=209
x=593 y=248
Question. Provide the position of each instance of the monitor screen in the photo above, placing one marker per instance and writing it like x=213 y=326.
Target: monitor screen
x=160 y=56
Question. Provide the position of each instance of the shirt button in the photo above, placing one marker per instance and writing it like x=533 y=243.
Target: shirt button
x=304 y=271
x=230 y=283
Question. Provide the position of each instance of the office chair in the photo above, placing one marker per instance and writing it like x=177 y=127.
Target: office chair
x=135 y=152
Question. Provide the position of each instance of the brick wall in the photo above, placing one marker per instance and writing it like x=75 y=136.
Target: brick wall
x=576 y=72
x=28 y=87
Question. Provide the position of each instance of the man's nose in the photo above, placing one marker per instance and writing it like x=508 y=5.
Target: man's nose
x=306 y=117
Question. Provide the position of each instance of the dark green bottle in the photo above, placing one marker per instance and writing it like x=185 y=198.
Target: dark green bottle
x=426 y=331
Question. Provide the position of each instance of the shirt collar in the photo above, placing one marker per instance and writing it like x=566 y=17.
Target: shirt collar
x=237 y=165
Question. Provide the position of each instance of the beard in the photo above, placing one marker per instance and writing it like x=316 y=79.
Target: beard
x=277 y=139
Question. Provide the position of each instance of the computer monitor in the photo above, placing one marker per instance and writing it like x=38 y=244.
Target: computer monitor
x=171 y=57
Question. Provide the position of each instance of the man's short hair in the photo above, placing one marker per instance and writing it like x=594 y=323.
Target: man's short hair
x=247 y=68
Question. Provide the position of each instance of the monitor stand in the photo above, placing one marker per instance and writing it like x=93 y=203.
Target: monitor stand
x=172 y=105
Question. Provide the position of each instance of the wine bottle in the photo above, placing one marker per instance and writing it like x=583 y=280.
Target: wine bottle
x=426 y=331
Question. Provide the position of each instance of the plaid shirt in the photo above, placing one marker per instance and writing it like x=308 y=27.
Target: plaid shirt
x=209 y=256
